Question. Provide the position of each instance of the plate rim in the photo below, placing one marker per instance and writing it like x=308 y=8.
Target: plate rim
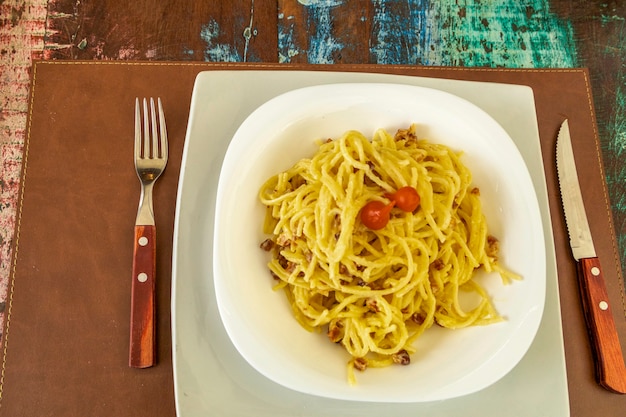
x=352 y=88
x=195 y=391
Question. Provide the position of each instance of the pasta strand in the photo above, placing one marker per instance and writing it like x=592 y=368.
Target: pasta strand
x=377 y=291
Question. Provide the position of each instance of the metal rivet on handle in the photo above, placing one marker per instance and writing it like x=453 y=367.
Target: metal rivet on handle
x=603 y=305
x=143 y=241
x=142 y=277
x=595 y=271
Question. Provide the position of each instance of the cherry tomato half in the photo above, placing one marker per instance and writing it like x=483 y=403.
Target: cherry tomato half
x=375 y=214
x=406 y=198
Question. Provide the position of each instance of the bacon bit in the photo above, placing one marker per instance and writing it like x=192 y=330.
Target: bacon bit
x=360 y=364
x=343 y=270
x=401 y=358
x=407 y=134
x=283 y=240
x=267 y=245
x=475 y=191
x=335 y=332
x=372 y=305
x=376 y=285
x=418 y=318
x=493 y=246
x=438 y=264
x=286 y=264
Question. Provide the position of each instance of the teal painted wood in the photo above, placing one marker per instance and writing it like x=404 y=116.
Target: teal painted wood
x=614 y=144
x=401 y=35
x=499 y=34
x=215 y=51
x=435 y=32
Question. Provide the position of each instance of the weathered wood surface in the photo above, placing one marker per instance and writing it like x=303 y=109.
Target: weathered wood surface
x=507 y=33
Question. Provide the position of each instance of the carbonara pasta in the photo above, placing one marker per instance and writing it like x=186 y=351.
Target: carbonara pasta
x=376 y=291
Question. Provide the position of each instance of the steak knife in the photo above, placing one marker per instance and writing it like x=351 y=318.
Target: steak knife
x=609 y=361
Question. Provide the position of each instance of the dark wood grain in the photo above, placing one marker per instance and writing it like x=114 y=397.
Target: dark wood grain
x=176 y=30
x=324 y=33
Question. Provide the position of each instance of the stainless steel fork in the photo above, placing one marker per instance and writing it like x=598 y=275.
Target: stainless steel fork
x=150 y=161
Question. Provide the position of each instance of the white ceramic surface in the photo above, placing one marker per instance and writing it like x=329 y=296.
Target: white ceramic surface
x=211 y=378
x=259 y=321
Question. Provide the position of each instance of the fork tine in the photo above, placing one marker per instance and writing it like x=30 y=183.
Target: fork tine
x=137 y=129
x=146 y=131
x=163 y=130
x=154 y=138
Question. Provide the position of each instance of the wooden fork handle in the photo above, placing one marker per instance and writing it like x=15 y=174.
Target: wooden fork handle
x=609 y=360
x=142 y=310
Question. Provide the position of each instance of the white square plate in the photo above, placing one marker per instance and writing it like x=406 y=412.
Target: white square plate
x=211 y=378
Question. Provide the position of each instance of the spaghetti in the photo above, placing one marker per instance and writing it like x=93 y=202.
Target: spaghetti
x=376 y=291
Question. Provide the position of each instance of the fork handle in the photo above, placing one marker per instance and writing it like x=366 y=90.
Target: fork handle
x=142 y=323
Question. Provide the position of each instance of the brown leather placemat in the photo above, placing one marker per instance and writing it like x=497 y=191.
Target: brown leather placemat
x=66 y=346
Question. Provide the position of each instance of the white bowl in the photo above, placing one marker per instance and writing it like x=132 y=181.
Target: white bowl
x=449 y=363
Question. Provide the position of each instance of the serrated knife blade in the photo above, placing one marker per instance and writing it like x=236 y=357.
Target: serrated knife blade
x=609 y=361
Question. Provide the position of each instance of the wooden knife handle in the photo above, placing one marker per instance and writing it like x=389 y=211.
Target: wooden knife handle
x=142 y=309
x=610 y=369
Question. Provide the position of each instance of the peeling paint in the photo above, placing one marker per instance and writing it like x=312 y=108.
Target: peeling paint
x=320 y=3
x=286 y=47
x=399 y=38
x=615 y=132
x=445 y=32
x=322 y=43
x=610 y=19
x=22 y=33
x=214 y=51
x=248 y=32
x=506 y=33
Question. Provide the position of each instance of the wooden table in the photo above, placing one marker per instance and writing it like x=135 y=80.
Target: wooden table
x=507 y=33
